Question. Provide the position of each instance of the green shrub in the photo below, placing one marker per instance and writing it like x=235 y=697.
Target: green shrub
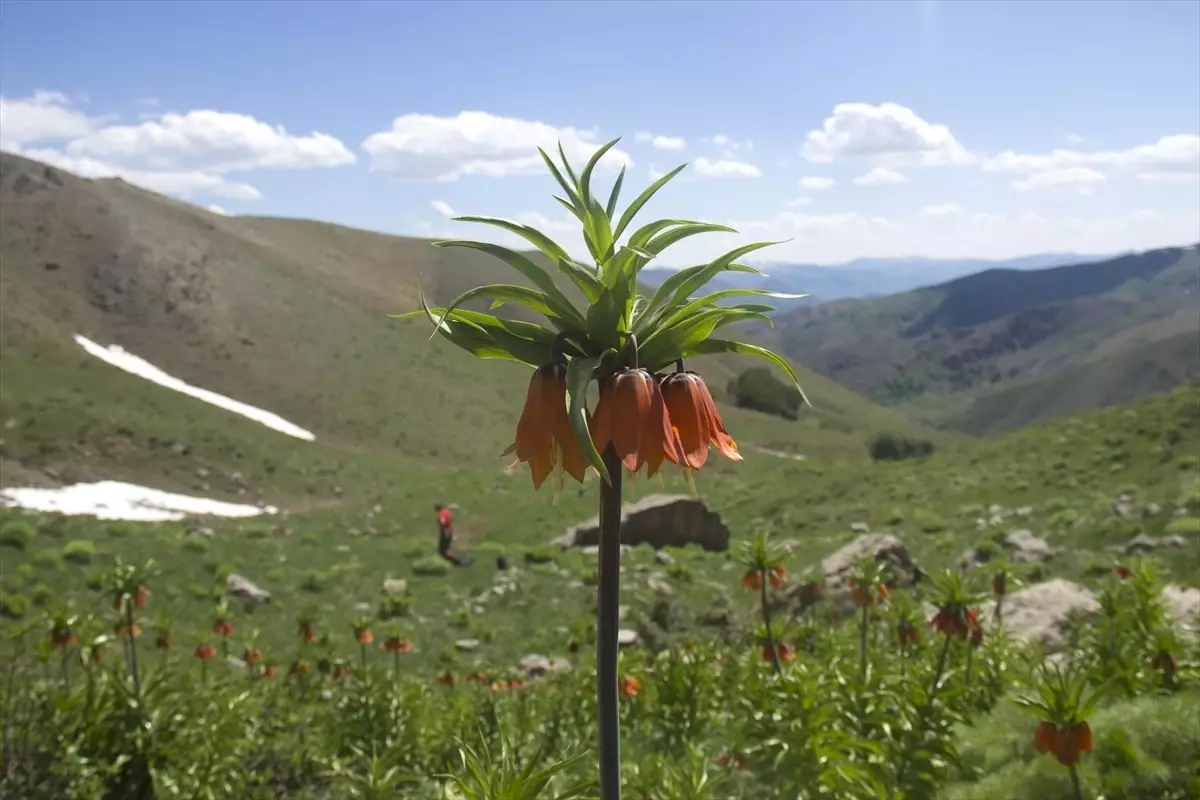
x=430 y=566
x=257 y=533
x=17 y=534
x=927 y=521
x=539 y=555
x=898 y=447
x=79 y=551
x=1184 y=526
x=194 y=544
x=313 y=582
x=94 y=581
x=394 y=606
x=41 y=595
x=13 y=606
x=47 y=559
x=757 y=388
x=119 y=530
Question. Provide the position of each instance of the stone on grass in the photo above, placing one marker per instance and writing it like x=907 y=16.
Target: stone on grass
x=467 y=645
x=885 y=548
x=1045 y=612
x=244 y=589
x=1183 y=605
x=860 y=527
x=627 y=637
x=1029 y=549
x=660 y=520
x=534 y=665
x=395 y=586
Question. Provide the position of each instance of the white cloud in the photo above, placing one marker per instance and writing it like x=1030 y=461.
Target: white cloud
x=43 y=116
x=422 y=147
x=660 y=142
x=880 y=176
x=1074 y=138
x=817 y=184
x=178 y=154
x=798 y=202
x=1081 y=178
x=941 y=210
x=217 y=209
x=725 y=168
x=215 y=141
x=888 y=132
x=1171 y=159
x=442 y=207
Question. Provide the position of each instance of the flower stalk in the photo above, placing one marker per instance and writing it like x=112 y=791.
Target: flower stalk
x=608 y=595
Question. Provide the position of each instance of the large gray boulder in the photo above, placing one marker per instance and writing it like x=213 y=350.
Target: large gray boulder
x=660 y=520
x=886 y=549
x=1045 y=612
x=1183 y=606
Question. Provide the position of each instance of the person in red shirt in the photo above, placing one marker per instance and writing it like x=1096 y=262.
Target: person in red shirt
x=445 y=522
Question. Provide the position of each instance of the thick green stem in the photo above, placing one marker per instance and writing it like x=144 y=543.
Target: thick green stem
x=607 y=619
x=1075 y=782
x=133 y=664
x=862 y=643
x=941 y=667
x=766 y=612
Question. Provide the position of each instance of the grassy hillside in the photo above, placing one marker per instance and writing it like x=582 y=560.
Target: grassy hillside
x=287 y=315
x=981 y=341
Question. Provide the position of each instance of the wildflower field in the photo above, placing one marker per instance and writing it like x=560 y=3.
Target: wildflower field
x=375 y=670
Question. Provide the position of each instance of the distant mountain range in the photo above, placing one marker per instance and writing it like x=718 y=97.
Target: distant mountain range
x=870 y=277
x=1002 y=348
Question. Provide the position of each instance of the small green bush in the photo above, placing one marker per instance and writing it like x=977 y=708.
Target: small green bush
x=757 y=388
x=539 y=555
x=430 y=566
x=13 y=606
x=94 y=581
x=119 y=530
x=393 y=607
x=41 y=595
x=194 y=544
x=927 y=521
x=313 y=582
x=898 y=447
x=17 y=534
x=79 y=551
x=47 y=559
x=1184 y=526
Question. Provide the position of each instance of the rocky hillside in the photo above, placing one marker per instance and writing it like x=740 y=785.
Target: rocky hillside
x=953 y=353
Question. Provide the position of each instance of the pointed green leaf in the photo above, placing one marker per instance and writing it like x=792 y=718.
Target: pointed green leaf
x=567 y=164
x=574 y=211
x=536 y=275
x=558 y=176
x=530 y=234
x=716 y=346
x=712 y=299
x=585 y=178
x=611 y=208
x=503 y=292
x=642 y=199
x=583 y=277
x=664 y=240
x=579 y=376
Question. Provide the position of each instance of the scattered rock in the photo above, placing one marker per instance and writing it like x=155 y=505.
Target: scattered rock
x=337 y=491
x=467 y=645
x=1183 y=604
x=235 y=662
x=663 y=557
x=1045 y=612
x=627 y=637
x=343 y=548
x=860 y=527
x=1024 y=512
x=180 y=449
x=973 y=557
x=1151 y=510
x=561 y=666
x=995 y=510
x=1122 y=509
x=245 y=590
x=1146 y=544
x=659 y=584
x=1029 y=549
x=885 y=548
x=362 y=607
x=238 y=478
x=660 y=521
x=200 y=530
x=534 y=665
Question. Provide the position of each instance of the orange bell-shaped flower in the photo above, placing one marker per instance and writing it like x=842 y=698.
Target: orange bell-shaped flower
x=632 y=417
x=694 y=417
x=545 y=440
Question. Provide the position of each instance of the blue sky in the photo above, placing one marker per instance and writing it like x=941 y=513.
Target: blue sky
x=853 y=129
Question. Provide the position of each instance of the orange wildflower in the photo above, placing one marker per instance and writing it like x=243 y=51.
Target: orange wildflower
x=300 y=668
x=363 y=636
x=394 y=644
x=908 y=634
x=96 y=654
x=1045 y=738
x=632 y=417
x=783 y=651
x=732 y=761
x=694 y=416
x=958 y=623
x=222 y=627
x=999 y=585
x=778 y=575
x=341 y=671
x=862 y=598
x=1123 y=572
x=205 y=651
x=1165 y=661
x=630 y=686
x=252 y=655
x=975 y=628
x=1072 y=740
x=270 y=672
x=62 y=637
x=446 y=679
x=752 y=580
x=516 y=683
x=307 y=633
x=544 y=439
x=163 y=642
x=123 y=631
